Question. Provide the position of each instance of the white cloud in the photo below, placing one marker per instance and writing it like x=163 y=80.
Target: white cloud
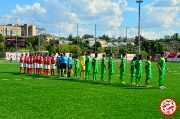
x=36 y=7
x=168 y=32
x=151 y=35
x=161 y=13
x=125 y=6
x=148 y=34
x=102 y=12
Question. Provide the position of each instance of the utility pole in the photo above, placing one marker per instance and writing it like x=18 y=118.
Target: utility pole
x=95 y=40
x=38 y=37
x=139 y=26
x=16 y=38
x=59 y=35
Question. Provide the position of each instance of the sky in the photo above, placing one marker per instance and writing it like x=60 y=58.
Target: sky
x=110 y=17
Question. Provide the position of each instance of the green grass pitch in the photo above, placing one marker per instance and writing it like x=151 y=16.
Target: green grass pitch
x=28 y=96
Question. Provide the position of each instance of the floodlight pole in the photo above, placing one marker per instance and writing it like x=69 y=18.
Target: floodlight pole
x=16 y=38
x=77 y=37
x=38 y=37
x=59 y=35
x=139 y=26
x=111 y=39
x=95 y=40
x=126 y=34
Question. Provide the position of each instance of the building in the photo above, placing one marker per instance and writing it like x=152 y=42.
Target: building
x=28 y=30
x=10 y=30
x=92 y=41
x=48 y=37
x=19 y=30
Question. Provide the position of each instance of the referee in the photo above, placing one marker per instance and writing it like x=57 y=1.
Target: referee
x=63 y=62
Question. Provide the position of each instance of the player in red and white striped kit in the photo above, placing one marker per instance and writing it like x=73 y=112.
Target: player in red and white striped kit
x=34 y=62
x=53 y=63
x=45 y=64
x=30 y=63
x=48 y=64
x=25 y=63
x=21 y=62
x=37 y=63
x=40 y=63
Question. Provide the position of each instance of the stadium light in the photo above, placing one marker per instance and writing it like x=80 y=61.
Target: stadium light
x=139 y=26
x=16 y=38
x=38 y=37
x=95 y=40
x=59 y=34
x=111 y=38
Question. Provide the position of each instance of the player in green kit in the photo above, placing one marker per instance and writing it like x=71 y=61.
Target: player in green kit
x=111 y=67
x=87 y=66
x=138 y=70
x=122 y=68
x=162 y=67
x=95 y=66
x=133 y=69
x=76 y=66
x=148 y=70
x=103 y=67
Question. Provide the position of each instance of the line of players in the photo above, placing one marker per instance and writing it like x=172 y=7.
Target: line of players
x=34 y=63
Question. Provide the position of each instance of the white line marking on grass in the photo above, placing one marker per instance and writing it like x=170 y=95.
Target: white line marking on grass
x=17 y=79
x=176 y=73
x=5 y=79
x=27 y=78
x=40 y=78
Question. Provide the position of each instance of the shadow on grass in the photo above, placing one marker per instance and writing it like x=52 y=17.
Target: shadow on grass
x=26 y=74
x=141 y=87
x=98 y=82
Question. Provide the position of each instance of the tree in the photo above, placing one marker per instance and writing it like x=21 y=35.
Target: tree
x=70 y=37
x=2 y=38
x=142 y=39
x=96 y=45
x=87 y=36
x=105 y=37
x=100 y=50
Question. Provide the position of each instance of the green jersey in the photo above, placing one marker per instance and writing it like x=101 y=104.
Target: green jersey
x=76 y=63
x=111 y=65
x=133 y=64
x=87 y=63
x=139 y=65
x=162 y=63
x=148 y=69
x=148 y=66
x=103 y=61
x=95 y=64
x=123 y=62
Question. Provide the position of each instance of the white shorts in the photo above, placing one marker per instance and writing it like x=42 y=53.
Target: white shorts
x=30 y=66
x=40 y=66
x=21 y=64
x=53 y=66
x=37 y=65
x=48 y=66
x=45 y=66
x=27 y=65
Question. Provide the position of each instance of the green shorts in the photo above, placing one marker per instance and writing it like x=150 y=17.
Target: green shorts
x=148 y=74
x=138 y=73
